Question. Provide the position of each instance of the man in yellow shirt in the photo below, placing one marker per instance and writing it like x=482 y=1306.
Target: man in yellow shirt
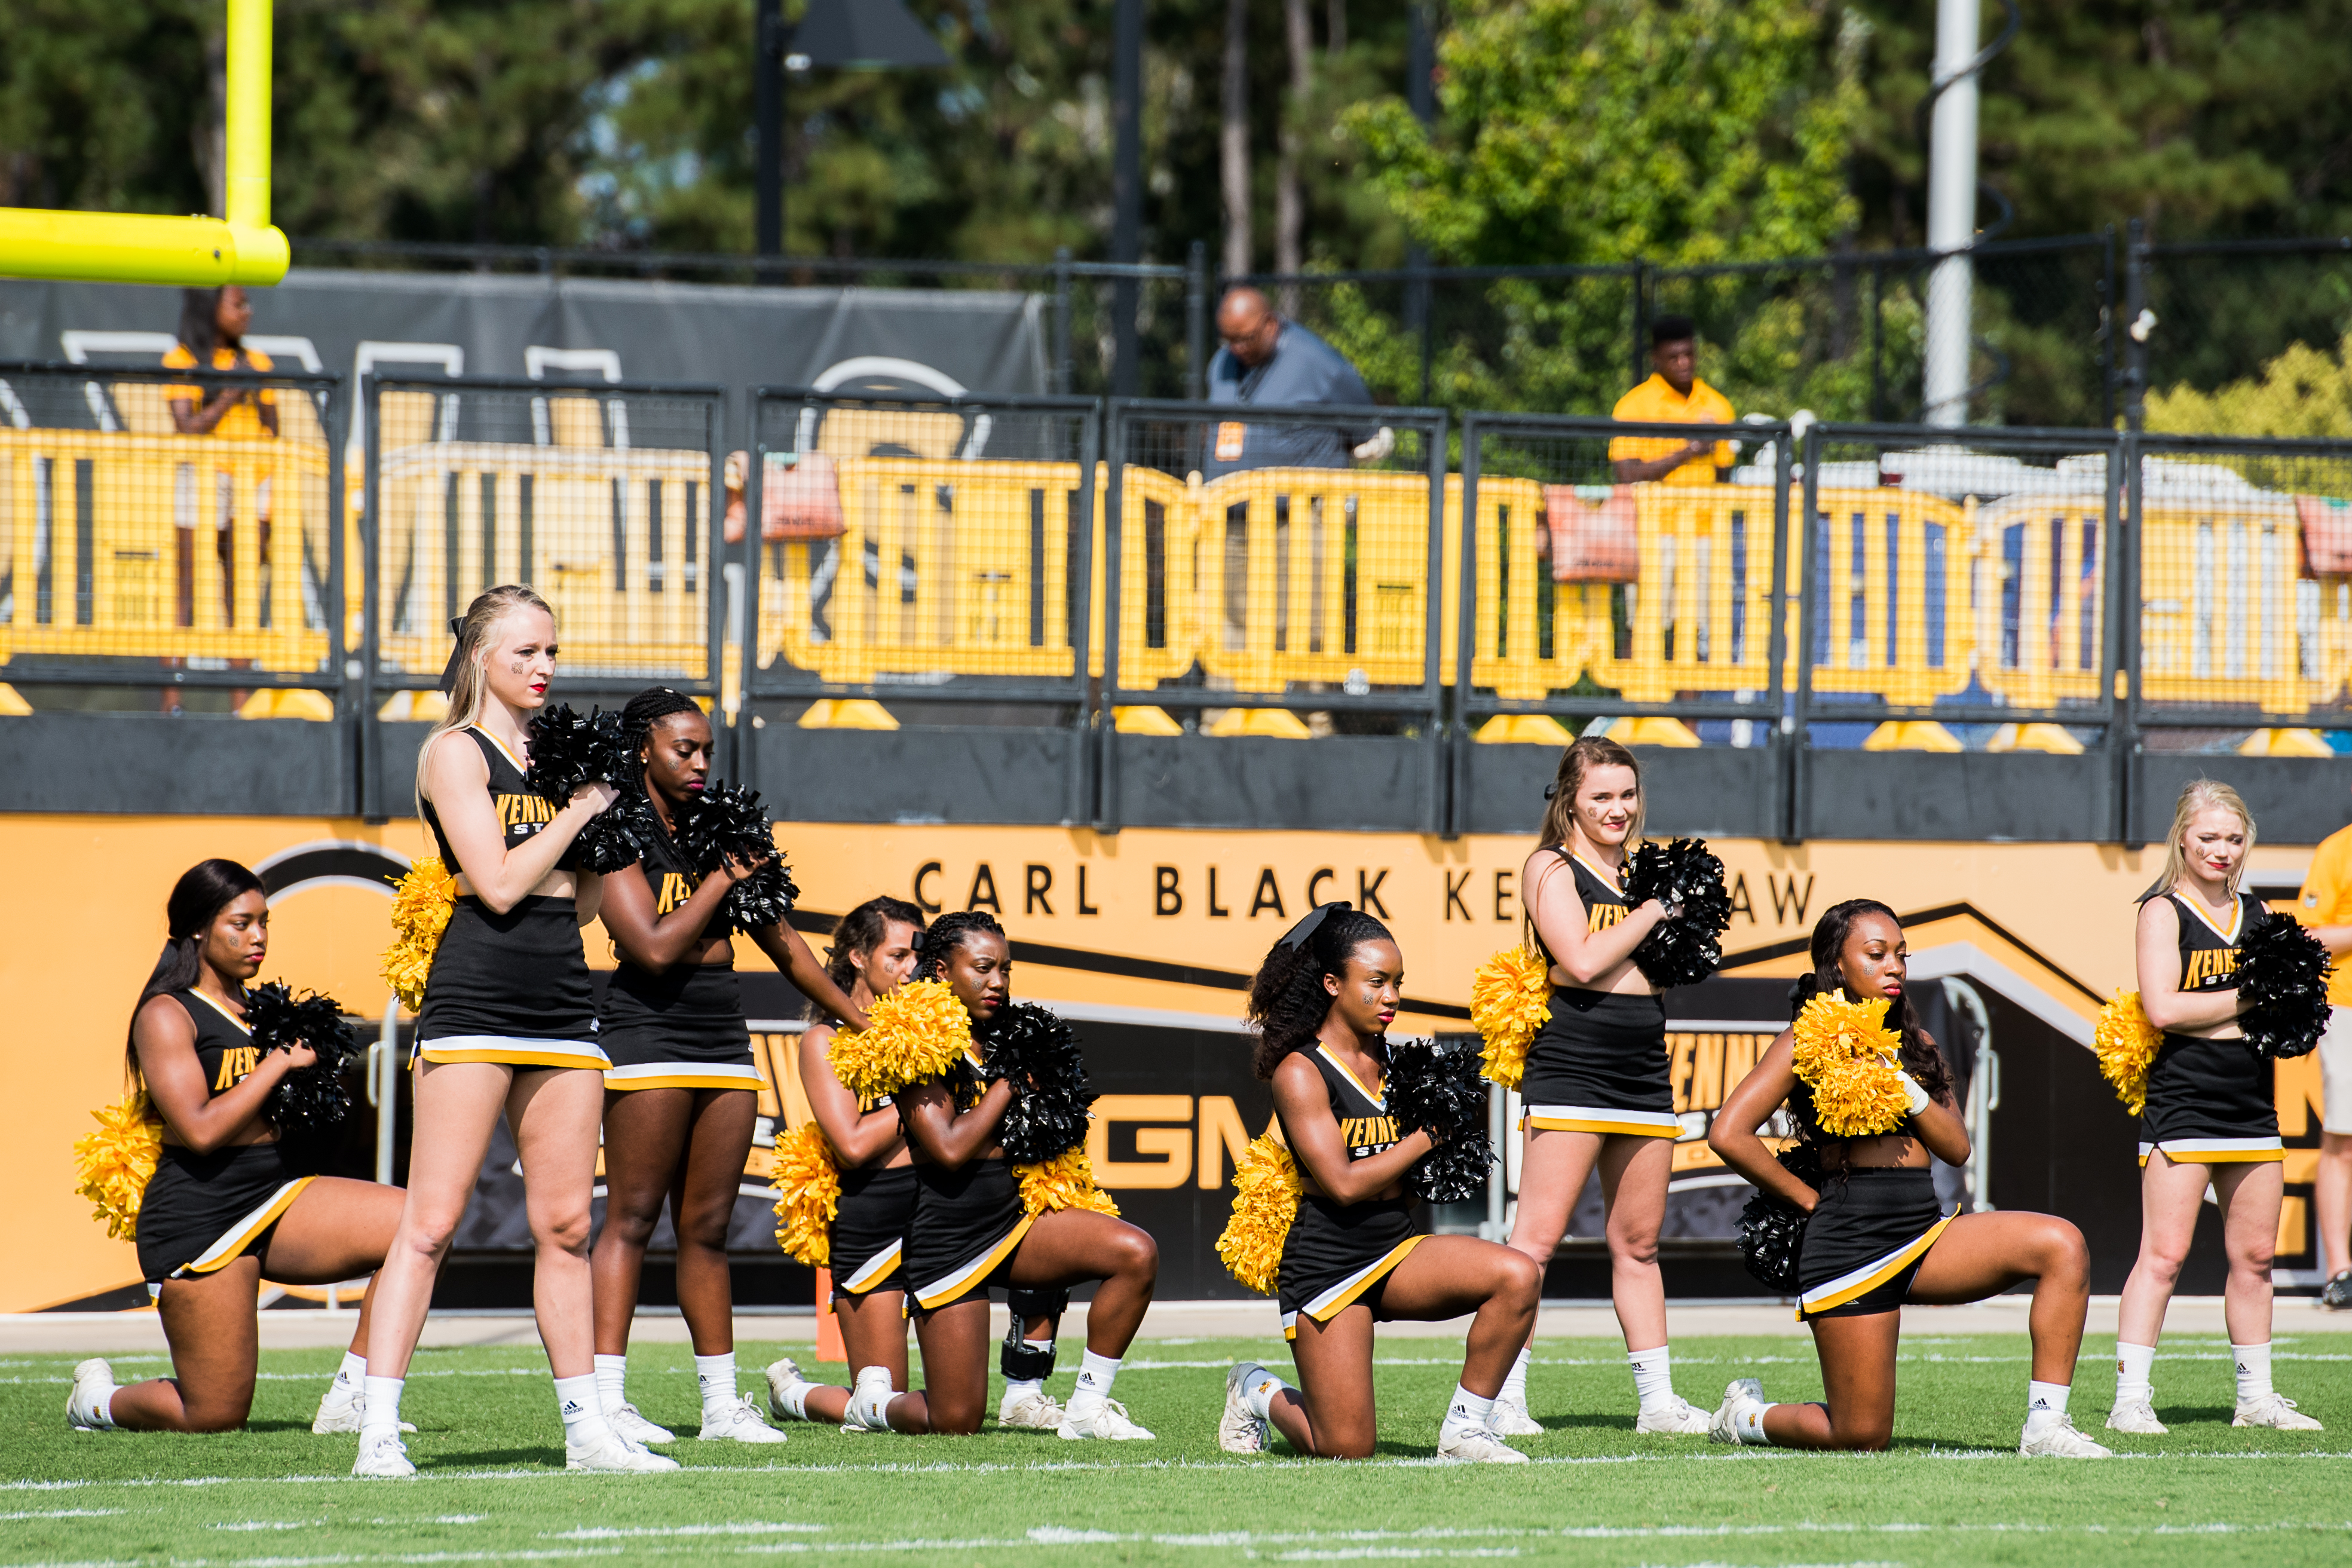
x=1674 y=396
x=2325 y=907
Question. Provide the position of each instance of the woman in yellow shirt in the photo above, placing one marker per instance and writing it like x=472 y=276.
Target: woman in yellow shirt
x=212 y=337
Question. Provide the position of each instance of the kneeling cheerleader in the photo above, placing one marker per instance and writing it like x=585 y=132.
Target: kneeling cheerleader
x=221 y=1076
x=1871 y=1100
x=993 y=1098
x=1335 y=1190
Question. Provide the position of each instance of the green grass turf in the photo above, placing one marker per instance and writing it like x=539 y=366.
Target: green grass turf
x=493 y=1488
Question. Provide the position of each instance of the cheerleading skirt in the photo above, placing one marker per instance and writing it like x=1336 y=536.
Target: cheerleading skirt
x=1338 y=1255
x=680 y=1030
x=2209 y=1103
x=869 y=1229
x=1865 y=1241
x=1599 y=1065
x=962 y=1236
x=510 y=988
x=202 y=1212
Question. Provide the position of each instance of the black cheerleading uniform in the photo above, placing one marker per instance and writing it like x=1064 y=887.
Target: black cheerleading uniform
x=1867 y=1237
x=1598 y=1064
x=683 y=1028
x=510 y=987
x=964 y=1227
x=1338 y=1254
x=868 y=1240
x=2210 y=1102
x=202 y=1212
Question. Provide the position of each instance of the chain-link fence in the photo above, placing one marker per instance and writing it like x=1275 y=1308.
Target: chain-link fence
x=168 y=540
x=2248 y=337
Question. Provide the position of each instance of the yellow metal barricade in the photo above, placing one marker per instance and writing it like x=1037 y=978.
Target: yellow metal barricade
x=1313 y=575
x=2225 y=618
x=1898 y=607
x=163 y=546
x=1160 y=608
x=615 y=538
x=946 y=567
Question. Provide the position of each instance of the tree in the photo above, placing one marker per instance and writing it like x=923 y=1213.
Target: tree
x=2303 y=391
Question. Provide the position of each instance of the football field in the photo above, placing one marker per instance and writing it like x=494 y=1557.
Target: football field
x=493 y=1488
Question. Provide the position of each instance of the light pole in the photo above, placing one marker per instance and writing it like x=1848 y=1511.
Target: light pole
x=841 y=35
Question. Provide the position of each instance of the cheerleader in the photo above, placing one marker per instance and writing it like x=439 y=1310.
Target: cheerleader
x=1597 y=1089
x=682 y=1096
x=1321 y=1005
x=1877 y=1236
x=508 y=1024
x=2210 y=1120
x=970 y=1232
x=224 y=1208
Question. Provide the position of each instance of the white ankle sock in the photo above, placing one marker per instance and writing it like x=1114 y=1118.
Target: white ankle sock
x=1515 y=1382
x=1259 y=1395
x=715 y=1375
x=2253 y=1372
x=2134 y=1364
x=612 y=1381
x=1466 y=1411
x=1748 y=1425
x=1095 y=1375
x=382 y=1414
x=578 y=1401
x=349 y=1375
x=1016 y=1388
x=795 y=1398
x=869 y=1400
x=1654 y=1376
x=2044 y=1402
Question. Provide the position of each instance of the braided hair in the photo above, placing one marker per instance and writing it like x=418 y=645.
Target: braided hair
x=1287 y=1002
x=643 y=712
x=951 y=932
x=862 y=931
x=1918 y=1055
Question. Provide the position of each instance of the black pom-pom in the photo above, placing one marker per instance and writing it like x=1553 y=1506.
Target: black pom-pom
x=725 y=822
x=310 y=1104
x=568 y=751
x=1435 y=1087
x=1772 y=1229
x=2282 y=977
x=618 y=835
x=1034 y=1048
x=1684 y=875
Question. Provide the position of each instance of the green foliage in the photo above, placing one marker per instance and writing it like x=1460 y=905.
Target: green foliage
x=2303 y=391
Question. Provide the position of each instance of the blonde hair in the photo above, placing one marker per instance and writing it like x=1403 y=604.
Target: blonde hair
x=2196 y=796
x=1581 y=758
x=470 y=689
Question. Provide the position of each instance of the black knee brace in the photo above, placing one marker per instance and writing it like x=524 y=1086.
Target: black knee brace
x=1017 y=1359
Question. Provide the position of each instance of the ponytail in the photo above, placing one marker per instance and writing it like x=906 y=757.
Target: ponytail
x=202 y=891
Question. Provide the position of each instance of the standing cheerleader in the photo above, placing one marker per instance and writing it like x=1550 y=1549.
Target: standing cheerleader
x=970 y=1230
x=682 y=1095
x=1872 y=1098
x=1597 y=1088
x=1321 y=1005
x=2209 y=1119
x=508 y=1024
x=224 y=1208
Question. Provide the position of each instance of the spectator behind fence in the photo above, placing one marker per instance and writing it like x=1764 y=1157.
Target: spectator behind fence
x=1276 y=364
x=1673 y=395
x=2326 y=906
x=212 y=337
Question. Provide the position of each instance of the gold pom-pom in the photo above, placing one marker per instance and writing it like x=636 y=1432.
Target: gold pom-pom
x=1065 y=1182
x=918 y=1032
x=420 y=913
x=808 y=1193
x=2125 y=1042
x=111 y=1165
x=1846 y=1055
x=1511 y=1002
x=1266 y=1200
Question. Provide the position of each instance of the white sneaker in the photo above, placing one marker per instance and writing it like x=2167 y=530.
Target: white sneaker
x=1511 y=1420
x=1030 y=1411
x=1106 y=1419
x=2136 y=1417
x=93 y=1385
x=630 y=1424
x=1675 y=1418
x=738 y=1421
x=384 y=1458
x=1475 y=1445
x=2059 y=1440
x=2274 y=1410
x=1737 y=1396
x=611 y=1451
x=343 y=1415
x=1239 y=1431
x=869 y=1402
x=783 y=1376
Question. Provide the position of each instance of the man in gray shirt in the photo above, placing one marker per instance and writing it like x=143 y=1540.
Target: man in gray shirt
x=1276 y=364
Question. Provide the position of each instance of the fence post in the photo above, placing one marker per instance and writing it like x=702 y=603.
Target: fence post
x=723 y=723
x=2135 y=335
x=338 y=424
x=1641 y=365
x=1196 y=322
x=2128 y=643
x=1077 y=806
x=1433 y=637
x=371 y=598
x=2108 y=335
x=1062 y=319
x=1878 y=341
x=1795 y=727
x=1114 y=429
x=1466 y=631
x=755 y=446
